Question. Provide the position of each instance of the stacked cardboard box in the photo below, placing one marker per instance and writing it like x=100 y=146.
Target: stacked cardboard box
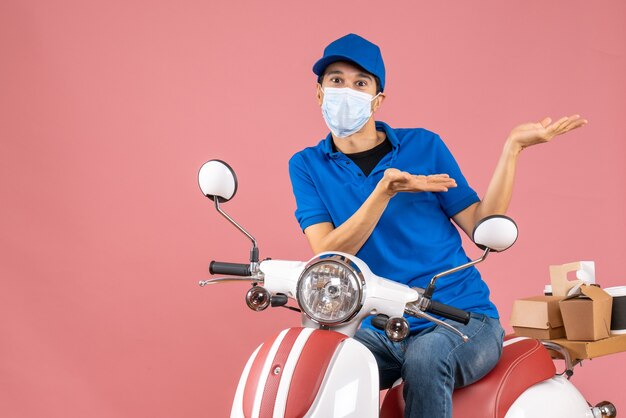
x=578 y=311
x=538 y=317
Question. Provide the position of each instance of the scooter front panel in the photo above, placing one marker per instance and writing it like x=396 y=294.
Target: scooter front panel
x=275 y=374
x=255 y=383
x=350 y=388
x=310 y=371
x=285 y=373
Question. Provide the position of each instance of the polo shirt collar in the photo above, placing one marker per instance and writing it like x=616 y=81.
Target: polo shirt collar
x=328 y=142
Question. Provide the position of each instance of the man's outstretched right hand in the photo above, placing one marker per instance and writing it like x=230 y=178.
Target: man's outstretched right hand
x=395 y=181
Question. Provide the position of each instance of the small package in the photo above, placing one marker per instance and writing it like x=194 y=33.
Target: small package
x=587 y=314
x=538 y=317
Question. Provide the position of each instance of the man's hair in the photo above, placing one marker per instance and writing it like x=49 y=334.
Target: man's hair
x=378 y=89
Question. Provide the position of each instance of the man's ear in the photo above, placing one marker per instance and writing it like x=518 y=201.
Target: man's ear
x=378 y=101
x=319 y=94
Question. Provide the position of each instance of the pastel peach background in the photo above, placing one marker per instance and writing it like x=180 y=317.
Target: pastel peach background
x=108 y=109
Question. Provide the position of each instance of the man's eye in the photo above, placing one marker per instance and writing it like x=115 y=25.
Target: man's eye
x=335 y=80
x=361 y=83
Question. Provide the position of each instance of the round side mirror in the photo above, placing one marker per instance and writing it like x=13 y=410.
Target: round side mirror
x=217 y=179
x=496 y=232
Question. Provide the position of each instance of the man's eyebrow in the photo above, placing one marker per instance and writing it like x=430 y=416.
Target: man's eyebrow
x=334 y=72
x=364 y=75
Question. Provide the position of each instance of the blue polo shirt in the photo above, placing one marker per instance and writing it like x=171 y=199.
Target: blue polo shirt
x=414 y=238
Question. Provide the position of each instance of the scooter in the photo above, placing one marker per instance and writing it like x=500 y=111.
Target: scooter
x=319 y=370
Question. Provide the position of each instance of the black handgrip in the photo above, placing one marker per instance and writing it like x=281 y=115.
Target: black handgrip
x=379 y=321
x=449 y=312
x=230 y=269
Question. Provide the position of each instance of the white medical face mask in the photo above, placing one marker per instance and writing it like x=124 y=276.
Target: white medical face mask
x=345 y=110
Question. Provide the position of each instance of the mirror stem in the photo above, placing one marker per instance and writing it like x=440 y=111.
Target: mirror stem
x=431 y=286
x=254 y=252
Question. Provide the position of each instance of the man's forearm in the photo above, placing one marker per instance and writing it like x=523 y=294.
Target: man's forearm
x=350 y=236
x=500 y=189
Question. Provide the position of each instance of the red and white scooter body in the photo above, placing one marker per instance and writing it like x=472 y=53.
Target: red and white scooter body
x=309 y=372
x=303 y=372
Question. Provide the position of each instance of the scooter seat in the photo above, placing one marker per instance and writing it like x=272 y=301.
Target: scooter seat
x=524 y=362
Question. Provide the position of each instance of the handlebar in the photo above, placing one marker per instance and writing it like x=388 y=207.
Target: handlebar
x=449 y=312
x=231 y=269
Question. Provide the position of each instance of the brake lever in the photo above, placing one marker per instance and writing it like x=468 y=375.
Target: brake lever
x=217 y=280
x=421 y=314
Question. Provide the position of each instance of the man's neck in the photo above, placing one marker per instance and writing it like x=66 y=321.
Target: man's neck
x=365 y=139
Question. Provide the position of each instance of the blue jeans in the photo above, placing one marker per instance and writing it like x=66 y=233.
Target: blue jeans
x=434 y=361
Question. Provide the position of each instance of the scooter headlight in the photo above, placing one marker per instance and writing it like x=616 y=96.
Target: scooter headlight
x=331 y=289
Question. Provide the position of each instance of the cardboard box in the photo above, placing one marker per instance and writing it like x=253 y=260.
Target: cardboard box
x=538 y=317
x=587 y=314
x=582 y=350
